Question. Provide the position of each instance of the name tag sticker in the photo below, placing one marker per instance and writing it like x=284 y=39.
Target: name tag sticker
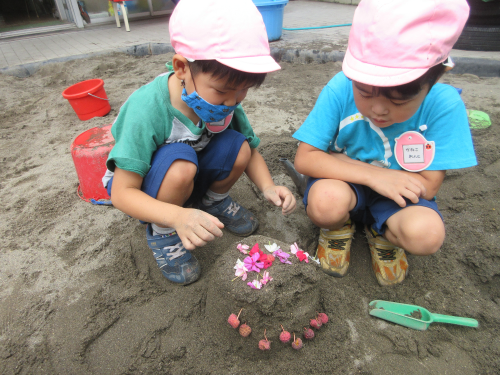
x=413 y=152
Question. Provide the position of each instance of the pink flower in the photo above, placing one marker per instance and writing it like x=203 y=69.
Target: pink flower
x=241 y=270
x=282 y=256
x=266 y=278
x=252 y=263
x=255 y=284
x=294 y=248
x=243 y=248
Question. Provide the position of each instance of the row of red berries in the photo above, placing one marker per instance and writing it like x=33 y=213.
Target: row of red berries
x=285 y=336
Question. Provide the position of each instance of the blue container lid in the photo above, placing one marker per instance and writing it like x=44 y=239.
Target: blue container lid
x=263 y=3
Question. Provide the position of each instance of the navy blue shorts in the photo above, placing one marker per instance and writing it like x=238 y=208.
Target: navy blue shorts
x=215 y=162
x=372 y=208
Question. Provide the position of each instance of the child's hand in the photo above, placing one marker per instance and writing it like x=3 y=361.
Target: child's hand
x=397 y=185
x=282 y=197
x=195 y=228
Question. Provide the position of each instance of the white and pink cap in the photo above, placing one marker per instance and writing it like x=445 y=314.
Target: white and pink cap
x=393 y=42
x=229 y=31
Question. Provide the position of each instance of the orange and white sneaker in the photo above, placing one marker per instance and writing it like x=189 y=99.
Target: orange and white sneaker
x=388 y=261
x=334 y=249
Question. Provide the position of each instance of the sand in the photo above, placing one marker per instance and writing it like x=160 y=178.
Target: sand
x=81 y=293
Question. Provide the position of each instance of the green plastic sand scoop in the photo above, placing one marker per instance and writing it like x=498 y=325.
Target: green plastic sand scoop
x=413 y=316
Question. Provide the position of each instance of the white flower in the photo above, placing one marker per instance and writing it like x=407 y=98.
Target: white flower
x=272 y=248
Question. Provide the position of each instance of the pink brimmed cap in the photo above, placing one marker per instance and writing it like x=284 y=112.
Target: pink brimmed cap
x=229 y=31
x=393 y=42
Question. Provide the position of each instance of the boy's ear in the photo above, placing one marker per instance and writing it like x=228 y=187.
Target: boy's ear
x=180 y=66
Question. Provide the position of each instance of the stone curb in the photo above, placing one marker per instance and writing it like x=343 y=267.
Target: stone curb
x=476 y=66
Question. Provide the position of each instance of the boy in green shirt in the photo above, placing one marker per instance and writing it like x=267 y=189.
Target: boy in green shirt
x=184 y=140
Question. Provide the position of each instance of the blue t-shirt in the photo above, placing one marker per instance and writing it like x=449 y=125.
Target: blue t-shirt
x=335 y=125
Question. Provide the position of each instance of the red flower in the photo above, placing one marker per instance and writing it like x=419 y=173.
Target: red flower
x=268 y=260
x=267 y=264
x=255 y=249
x=300 y=254
x=262 y=256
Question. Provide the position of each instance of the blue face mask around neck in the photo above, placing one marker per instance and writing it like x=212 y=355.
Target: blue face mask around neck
x=209 y=113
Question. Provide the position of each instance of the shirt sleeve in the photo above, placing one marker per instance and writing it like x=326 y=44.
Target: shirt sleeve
x=448 y=127
x=241 y=124
x=138 y=130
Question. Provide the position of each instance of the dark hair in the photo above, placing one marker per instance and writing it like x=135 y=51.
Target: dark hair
x=409 y=90
x=219 y=71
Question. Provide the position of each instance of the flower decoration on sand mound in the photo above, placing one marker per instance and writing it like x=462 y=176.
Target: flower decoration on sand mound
x=256 y=261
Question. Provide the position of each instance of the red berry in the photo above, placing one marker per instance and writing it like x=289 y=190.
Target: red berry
x=323 y=318
x=316 y=323
x=264 y=344
x=308 y=333
x=297 y=343
x=285 y=337
x=233 y=320
x=245 y=330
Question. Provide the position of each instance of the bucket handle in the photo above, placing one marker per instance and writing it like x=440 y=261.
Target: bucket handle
x=102 y=202
x=97 y=97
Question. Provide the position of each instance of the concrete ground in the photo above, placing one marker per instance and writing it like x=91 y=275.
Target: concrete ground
x=148 y=34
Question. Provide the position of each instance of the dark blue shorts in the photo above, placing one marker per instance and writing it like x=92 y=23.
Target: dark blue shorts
x=372 y=208
x=215 y=162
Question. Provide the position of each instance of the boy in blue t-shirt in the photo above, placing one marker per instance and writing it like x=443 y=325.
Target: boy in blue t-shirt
x=382 y=135
x=183 y=140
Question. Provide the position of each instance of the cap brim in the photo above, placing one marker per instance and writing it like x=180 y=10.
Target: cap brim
x=252 y=64
x=379 y=76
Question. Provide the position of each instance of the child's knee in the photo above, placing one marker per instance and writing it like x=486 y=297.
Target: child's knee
x=328 y=207
x=424 y=237
x=181 y=173
x=244 y=156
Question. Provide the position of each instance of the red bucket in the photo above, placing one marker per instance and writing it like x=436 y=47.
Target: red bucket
x=90 y=151
x=88 y=99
